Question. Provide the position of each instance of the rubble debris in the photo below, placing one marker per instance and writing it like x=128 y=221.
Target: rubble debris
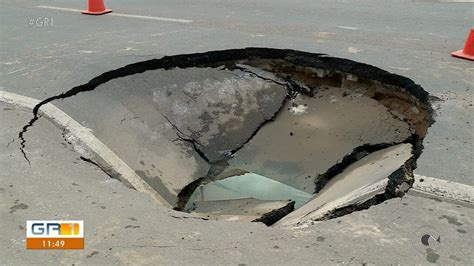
x=274 y=216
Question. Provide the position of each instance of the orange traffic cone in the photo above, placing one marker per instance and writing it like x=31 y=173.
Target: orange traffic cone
x=96 y=7
x=468 y=51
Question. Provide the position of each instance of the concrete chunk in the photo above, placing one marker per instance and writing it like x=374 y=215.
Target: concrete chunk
x=356 y=184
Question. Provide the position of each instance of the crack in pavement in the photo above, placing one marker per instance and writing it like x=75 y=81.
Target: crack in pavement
x=293 y=88
x=187 y=139
x=97 y=165
x=10 y=142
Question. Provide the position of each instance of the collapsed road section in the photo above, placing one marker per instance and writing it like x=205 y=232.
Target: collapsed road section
x=257 y=134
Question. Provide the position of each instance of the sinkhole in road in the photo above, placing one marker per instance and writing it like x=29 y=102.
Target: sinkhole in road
x=276 y=136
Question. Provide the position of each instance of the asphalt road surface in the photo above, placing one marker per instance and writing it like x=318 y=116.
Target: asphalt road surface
x=413 y=39
x=48 y=47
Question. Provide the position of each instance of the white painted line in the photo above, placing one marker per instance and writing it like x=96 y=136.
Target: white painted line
x=443 y=188
x=152 y=18
x=166 y=33
x=60 y=8
x=348 y=27
x=178 y=20
x=18 y=70
x=85 y=143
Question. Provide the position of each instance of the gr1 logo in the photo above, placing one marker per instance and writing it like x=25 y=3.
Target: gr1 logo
x=55 y=229
x=54 y=234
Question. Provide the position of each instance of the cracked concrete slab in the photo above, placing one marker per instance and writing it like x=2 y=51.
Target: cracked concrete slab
x=219 y=109
x=148 y=116
x=357 y=183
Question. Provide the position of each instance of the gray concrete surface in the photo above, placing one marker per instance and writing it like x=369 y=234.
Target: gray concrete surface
x=123 y=226
x=413 y=39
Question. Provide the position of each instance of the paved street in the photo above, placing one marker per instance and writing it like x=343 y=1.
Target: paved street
x=409 y=38
x=126 y=227
x=413 y=40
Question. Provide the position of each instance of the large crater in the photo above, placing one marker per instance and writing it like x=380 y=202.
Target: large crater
x=255 y=134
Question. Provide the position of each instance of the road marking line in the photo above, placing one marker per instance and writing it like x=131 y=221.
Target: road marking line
x=178 y=20
x=60 y=8
x=14 y=71
x=348 y=27
x=166 y=33
x=152 y=18
x=443 y=188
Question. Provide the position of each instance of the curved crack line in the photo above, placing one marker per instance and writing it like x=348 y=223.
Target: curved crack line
x=187 y=139
x=10 y=142
x=179 y=132
x=292 y=89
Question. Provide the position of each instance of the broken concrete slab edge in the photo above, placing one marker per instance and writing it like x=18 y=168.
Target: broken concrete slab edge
x=86 y=144
x=399 y=183
x=355 y=155
x=394 y=189
x=362 y=151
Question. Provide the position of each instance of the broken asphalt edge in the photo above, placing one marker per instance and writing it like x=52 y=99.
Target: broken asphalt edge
x=86 y=144
x=217 y=58
x=211 y=58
